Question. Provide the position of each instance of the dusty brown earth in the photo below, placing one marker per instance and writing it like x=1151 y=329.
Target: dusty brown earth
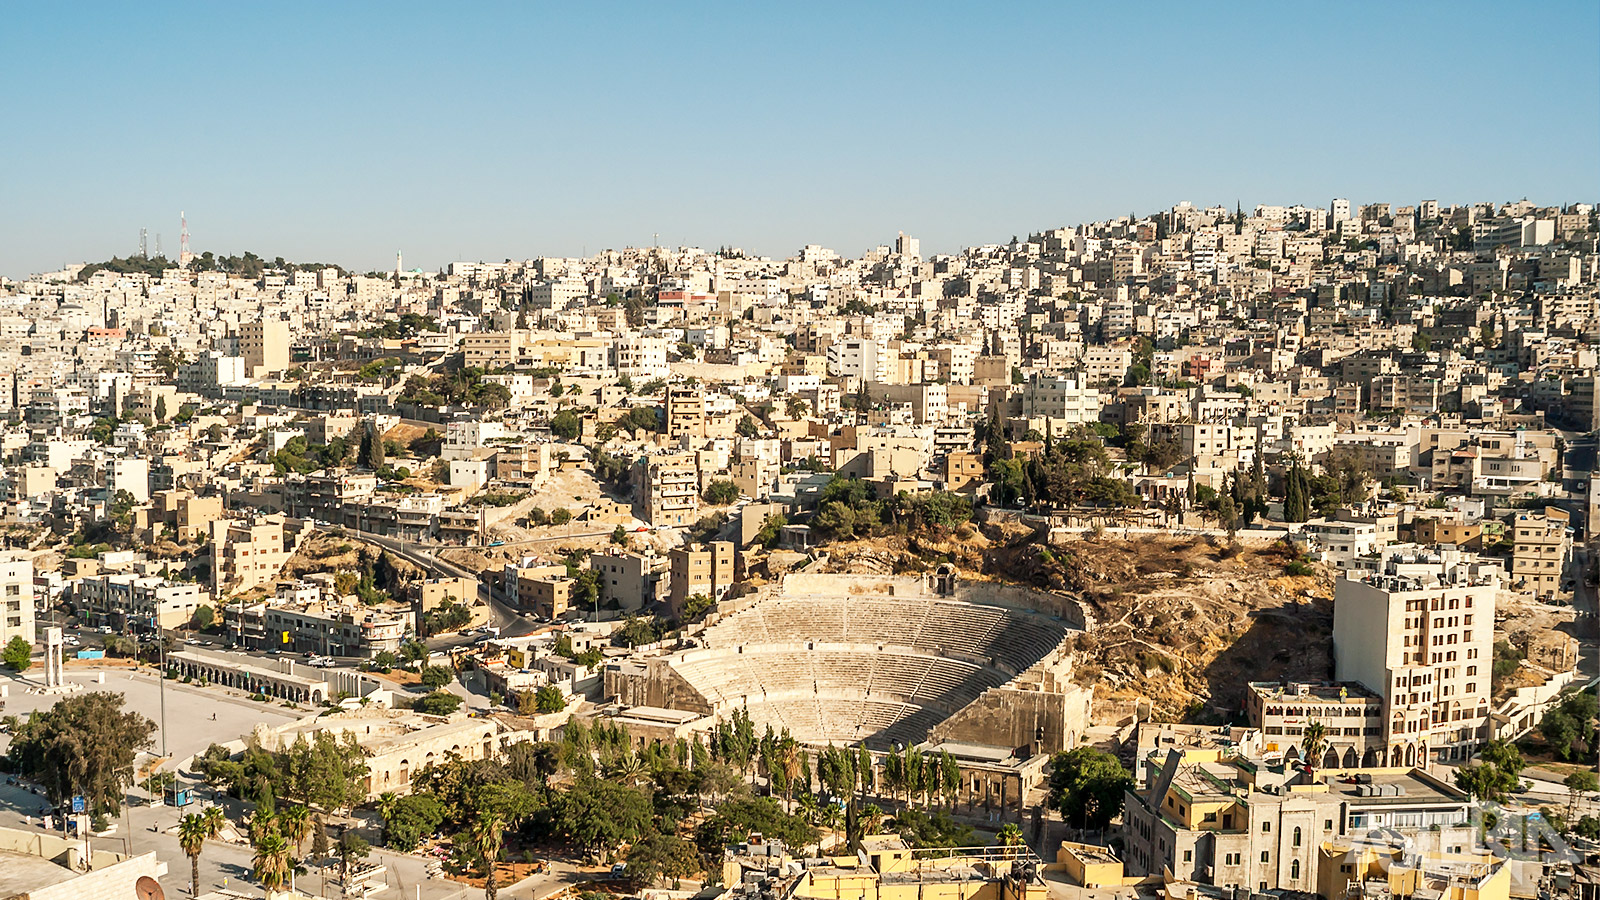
x=327 y=552
x=1181 y=625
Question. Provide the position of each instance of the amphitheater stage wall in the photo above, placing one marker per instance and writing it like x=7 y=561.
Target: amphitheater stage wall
x=1042 y=721
x=653 y=683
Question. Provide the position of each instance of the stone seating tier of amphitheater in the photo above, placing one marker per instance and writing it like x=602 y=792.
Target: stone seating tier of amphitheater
x=1007 y=639
x=836 y=659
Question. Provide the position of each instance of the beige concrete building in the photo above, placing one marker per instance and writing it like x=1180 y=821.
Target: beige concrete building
x=666 y=489
x=706 y=569
x=1422 y=636
x=628 y=581
x=247 y=554
x=125 y=600
x=264 y=344
x=686 y=412
x=1541 y=549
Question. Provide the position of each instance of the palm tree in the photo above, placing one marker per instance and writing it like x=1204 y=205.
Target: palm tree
x=789 y=763
x=1314 y=743
x=272 y=861
x=295 y=825
x=488 y=836
x=870 y=821
x=1010 y=837
x=193 y=832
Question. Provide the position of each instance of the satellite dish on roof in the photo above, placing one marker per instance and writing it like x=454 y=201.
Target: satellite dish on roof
x=147 y=888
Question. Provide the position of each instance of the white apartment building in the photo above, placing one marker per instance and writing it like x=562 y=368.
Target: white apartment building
x=858 y=357
x=1419 y=631
x=640 y=357
x=16 y=598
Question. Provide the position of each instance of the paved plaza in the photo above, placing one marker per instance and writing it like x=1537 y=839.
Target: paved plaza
x=195 y=717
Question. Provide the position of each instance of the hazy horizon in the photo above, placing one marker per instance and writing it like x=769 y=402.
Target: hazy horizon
x=343 y=133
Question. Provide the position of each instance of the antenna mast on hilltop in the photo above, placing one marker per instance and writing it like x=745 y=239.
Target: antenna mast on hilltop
x=183 y=241
x=144 y=243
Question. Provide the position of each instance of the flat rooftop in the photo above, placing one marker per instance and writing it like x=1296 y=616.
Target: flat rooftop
x=1417 y=789
x=23 y=873
x=1327 y=692
x=658 y=715
x=975 y=752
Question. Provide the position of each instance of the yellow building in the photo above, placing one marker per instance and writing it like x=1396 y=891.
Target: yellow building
x=1089 y=865
x=1370 y=866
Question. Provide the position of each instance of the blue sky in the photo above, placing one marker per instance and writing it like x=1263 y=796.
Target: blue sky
x=344 y=131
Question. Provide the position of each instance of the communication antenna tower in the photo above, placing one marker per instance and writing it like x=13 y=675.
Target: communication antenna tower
x=158 y=244
x=183 y=241
x=143 y=243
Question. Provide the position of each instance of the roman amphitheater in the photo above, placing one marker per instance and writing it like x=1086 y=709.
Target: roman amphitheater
x=868 y=660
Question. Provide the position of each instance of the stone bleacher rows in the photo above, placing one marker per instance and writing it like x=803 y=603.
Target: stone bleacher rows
x=1011 y=640
x=839 y=693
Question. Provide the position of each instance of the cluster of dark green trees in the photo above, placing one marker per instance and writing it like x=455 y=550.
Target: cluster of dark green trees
x=406 y=326
x=1069 y=472
x=82 y=746
x=462 y=387
x=1569 y=727
x=850 y=508
x=324 y=771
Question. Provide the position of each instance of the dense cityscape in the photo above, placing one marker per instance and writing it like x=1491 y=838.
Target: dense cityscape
x=1205 y=552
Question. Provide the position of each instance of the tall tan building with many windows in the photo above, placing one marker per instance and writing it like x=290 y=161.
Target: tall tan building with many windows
x=264 y=346
x=686 y=413
x=1419 y=632
x=706 y=569
x=1541 y=546
x=666 y=489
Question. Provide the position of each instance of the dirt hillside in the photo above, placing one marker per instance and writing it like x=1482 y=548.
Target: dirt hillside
x=1182 y=625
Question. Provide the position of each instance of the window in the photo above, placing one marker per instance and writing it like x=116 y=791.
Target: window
x=1294 y=870
x=1296 y=836
x=1327 y=824
x=1266 y=827
x=1188 y=856
x=1264 y=855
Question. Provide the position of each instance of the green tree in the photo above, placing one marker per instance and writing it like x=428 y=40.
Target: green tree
x=1577 y=784
x=83 y=745
x=410 y=819
x=18 y=654
x=619 y=535
x=204 y=617
x=371 y=453
x=601 y=815
x=1086 y=787
x=294 y=824
x=1496 y=775
x=271 y=862
x=658 y=855
x=324 y=771
x=550 y=699
x=560 y=516
x=747 y=426
x=566 y=425
x=721 y=492
x=437 y=703
x=351 y=846
x=436 y=677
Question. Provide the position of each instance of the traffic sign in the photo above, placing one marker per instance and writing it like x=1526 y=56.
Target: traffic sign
x=78 y=806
